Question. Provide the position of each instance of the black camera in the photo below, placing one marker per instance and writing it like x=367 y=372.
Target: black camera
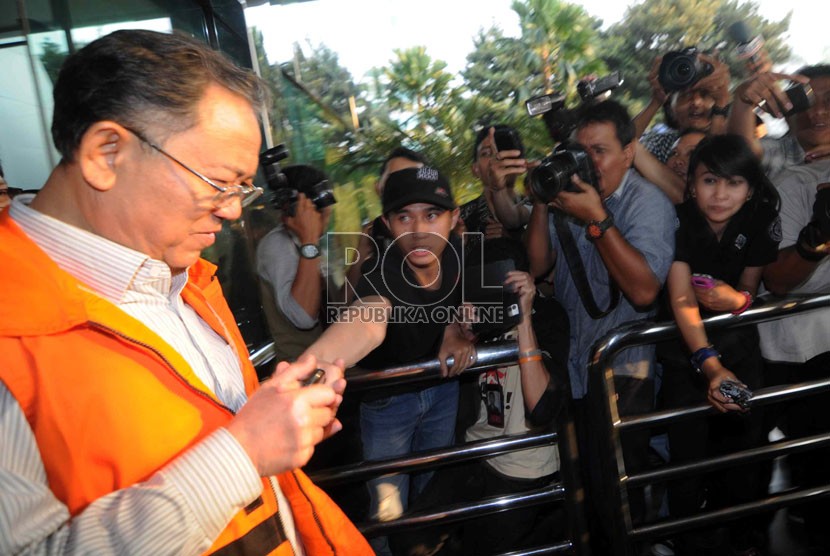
x=739 y=395
x=285 y=193
x=553 y=175
x=680 y=69
x=561 y=121
x=589 y=89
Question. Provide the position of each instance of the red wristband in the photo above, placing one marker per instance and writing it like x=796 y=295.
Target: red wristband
x=747 y=304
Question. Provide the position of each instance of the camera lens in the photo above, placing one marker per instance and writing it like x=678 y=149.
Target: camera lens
x=683 y=69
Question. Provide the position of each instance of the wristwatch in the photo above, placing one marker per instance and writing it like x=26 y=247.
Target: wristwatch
x=309 y=251
x=595 y=229
x=721 y=110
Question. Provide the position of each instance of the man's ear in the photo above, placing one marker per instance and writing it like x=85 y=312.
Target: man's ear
x=455 y=213
x=100 y=151
x=628 y=154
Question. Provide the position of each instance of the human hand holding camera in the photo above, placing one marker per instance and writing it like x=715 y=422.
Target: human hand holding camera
x=717 y=82
x=584 y=203
x=521 y=283
x=658 y=93
x=307 y=222
x=814 y=240
x=506 y=162
x=762 y=91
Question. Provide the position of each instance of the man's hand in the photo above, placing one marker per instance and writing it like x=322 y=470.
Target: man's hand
x=720 y=298
x=456 y=343
x=762 y=90
x=585 y=205
x=282 y=422
x=503 y=165
x=717 y=82
x=522 y=284
x=817 y=153
x=493 y=229
x=658 y=94
x=307 y=223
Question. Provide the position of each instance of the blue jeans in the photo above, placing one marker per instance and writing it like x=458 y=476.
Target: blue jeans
x=398 y=425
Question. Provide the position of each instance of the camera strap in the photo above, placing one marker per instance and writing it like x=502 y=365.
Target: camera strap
x=577 y=269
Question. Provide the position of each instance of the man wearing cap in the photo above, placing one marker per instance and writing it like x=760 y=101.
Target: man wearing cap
x=406 y=311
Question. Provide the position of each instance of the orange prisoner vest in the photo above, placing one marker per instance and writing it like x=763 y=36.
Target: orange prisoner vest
x=110 y=402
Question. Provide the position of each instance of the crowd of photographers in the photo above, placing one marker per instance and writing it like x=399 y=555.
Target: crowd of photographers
x=693 y=217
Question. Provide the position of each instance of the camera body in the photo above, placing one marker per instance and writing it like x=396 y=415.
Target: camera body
x=680 y=69
x=561 y=121
x=589 y=89
x=737 y=393
x=285 y=194
x=553 y=175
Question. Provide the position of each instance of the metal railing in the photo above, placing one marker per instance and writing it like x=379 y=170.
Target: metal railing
x=623 y=533
x=497 y=354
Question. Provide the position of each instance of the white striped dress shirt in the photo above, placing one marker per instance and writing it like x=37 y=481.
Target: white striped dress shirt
x=181 y=508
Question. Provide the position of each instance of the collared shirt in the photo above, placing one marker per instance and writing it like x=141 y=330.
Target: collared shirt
x=801 y=337
x=172 y=504
x=645 y=217
x=277 y=259
x=780 y=155
x=660 y=143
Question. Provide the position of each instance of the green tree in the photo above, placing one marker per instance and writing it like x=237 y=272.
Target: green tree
x=655 y=27
x=52 y=58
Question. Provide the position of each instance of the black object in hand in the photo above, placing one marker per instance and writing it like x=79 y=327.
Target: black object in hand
x=315 y=377
x=821 y=211
x=739 y=395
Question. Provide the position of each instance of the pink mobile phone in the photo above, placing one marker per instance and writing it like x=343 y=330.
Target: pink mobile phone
x=703 y=281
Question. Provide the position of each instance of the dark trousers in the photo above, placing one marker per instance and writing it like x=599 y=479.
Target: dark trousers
x=805 y=417
x=635 y=397
x=490 y=534
x=702 y=438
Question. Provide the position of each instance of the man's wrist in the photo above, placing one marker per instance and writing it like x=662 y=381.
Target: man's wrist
x=720 y=109
x=595 y=229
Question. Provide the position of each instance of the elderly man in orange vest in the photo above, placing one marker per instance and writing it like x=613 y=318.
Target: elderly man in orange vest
x=131 y=420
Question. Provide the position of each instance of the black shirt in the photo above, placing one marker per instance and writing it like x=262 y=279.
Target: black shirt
x=750 y=239
x=419 y=315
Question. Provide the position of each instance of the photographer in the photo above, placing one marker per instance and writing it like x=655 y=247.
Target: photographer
x=498 y=160
x=796 y=348
x=808 y=138
x=619 y=232
x=289 y=263
x=703 y=105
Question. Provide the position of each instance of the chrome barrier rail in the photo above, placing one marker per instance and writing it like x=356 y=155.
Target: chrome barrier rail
x=569 y=489
x=433 y=458
x=617 y=481
x=496 y=354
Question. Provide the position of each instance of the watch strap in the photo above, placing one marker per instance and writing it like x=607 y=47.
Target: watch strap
x=597 y=228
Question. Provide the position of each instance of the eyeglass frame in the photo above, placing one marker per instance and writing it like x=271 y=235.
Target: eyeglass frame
x=247 y=193
x=12 y=192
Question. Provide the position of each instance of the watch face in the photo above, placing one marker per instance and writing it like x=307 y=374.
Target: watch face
x=594 y=231
x=309 y=251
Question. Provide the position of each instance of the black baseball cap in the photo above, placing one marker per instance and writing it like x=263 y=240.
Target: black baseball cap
x=416 y=185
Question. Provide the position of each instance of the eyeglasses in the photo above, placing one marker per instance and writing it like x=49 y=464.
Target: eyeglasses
x=11 y=192
x=245 y=192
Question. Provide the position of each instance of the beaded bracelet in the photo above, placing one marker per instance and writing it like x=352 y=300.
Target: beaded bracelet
x=747 y=303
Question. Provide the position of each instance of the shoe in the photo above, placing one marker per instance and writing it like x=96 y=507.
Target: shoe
x=663 y=547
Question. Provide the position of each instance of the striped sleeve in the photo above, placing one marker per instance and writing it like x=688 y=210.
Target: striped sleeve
x=179 y=510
